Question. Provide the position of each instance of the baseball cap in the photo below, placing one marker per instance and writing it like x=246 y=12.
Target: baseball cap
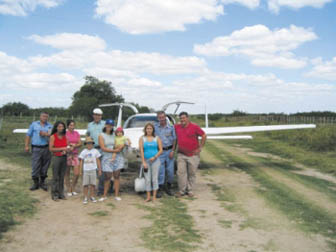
x=119 y=129
x=97 y=111
x=109 y=121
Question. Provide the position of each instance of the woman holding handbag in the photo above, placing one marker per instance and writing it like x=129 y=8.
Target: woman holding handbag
x=150 y=149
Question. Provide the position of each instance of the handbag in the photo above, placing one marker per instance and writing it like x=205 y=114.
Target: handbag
x=140 y=183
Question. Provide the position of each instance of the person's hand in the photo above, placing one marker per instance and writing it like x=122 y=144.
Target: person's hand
x=43 y=133
x=152 y=159
x=145 y=166
x=99 y=173
x=171 y=155
x=26 y=148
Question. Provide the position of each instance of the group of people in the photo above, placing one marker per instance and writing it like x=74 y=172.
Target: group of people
x=103 y=155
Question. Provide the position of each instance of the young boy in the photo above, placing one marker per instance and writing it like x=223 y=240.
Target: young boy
x=119 y=141
x=89 y=161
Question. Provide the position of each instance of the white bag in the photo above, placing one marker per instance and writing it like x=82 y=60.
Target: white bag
x=140 y=183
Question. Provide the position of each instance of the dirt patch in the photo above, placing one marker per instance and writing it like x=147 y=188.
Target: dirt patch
x=264 y=228
x=71 y=226
x=312 y=195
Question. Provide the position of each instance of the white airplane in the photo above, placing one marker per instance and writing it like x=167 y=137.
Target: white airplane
x=133 y=126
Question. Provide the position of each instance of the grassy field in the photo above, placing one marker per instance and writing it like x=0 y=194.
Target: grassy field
x=293 y=195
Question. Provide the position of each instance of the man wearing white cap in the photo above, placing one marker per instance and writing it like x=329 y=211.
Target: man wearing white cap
x=94 y=129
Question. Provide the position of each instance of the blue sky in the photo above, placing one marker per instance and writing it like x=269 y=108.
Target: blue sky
x=251 y=55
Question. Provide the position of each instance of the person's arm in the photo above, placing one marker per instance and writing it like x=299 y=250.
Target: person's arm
x=171 y=154
x=88 y=130
x=159 y=152
x=81 y=167
x=202 y=143
x=104 y=148
x=99 y=167
x=27 y=142
x=142 y=153
x=79 y=142
x=28 y=137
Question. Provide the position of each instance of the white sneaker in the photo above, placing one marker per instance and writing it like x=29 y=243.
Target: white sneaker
x=93 y=199
x=85 y=201
x=117 y=198
x=69 y=194
x=74 y=193
x=102 y=199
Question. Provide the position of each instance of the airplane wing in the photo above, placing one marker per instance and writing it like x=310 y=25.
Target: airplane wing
x=212 y=133
x=227 y=130
x=20 y=131
x=82 y=132
x=229 y=137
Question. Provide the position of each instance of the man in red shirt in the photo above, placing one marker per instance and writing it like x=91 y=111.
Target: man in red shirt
x=188 y=157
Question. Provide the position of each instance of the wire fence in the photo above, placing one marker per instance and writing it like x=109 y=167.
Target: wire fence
x=280 y=119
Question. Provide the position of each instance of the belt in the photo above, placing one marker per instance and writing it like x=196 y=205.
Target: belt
x=40 y=146
x=167 y=148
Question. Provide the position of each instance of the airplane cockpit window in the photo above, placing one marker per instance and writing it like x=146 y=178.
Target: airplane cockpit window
x=140 y=121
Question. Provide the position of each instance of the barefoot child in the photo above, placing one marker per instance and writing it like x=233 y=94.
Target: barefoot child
x=119 y=141
x=89 y=161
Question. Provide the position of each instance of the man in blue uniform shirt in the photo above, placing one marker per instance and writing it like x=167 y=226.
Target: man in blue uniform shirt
x=166 y=132
x=38 y=136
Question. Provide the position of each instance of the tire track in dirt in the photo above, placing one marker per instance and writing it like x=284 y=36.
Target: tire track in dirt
x=316 y=197
x=254 y=226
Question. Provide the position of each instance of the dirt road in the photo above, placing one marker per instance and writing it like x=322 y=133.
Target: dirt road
x=228 y=213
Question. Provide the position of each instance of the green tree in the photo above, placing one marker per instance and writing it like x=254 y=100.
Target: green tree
x=15 y=108
x=93 y=93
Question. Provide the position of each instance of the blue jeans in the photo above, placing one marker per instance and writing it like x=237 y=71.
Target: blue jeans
x=167 y=164
x=151 y=176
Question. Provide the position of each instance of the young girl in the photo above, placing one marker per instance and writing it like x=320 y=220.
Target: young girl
x=119 y=141
x=150 y=149
x=72 y=158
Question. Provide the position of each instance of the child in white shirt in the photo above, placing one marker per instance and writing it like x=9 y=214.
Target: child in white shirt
x=89 y=161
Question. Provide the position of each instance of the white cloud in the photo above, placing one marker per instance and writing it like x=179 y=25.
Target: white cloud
x=323 y=70
x=10 y=65
x=144 y=82
x=275 y=5
x=71 y=41
x=138 y=62
x=251 y=93
x=252 y=4
x=22 y=7
x=263 y=46
x=61 y=81
x=152 y=16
